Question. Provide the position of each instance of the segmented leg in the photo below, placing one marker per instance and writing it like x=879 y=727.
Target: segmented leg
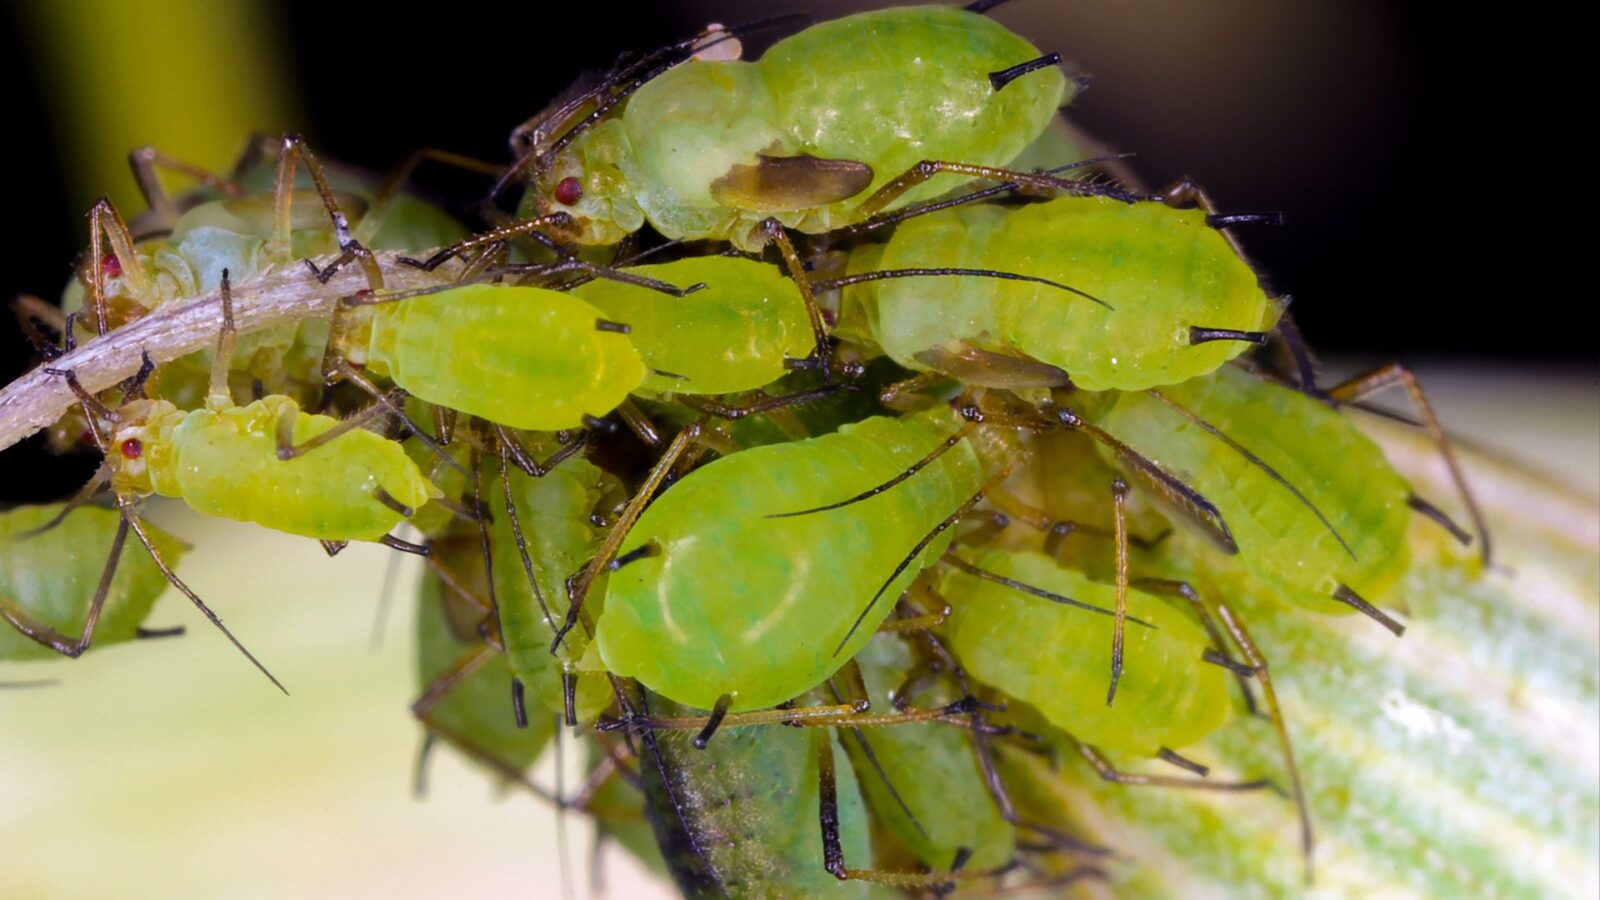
x=1111 y=773
x=50 y=637
x=928 y=168
x=1368 y=383
x=145 y=161
x=292 y=149
x=106 y=225
x=776 y=235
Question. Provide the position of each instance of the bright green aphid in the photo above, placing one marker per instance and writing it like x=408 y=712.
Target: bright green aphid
x=1055 y=657
x=727 y=600
x=1164 y=278
x=51 y=577
x=806 y=134
x=1331 y=532
x=525 y=357
x=734 y=335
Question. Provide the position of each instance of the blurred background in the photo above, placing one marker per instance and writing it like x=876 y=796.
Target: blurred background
x=1365 y=122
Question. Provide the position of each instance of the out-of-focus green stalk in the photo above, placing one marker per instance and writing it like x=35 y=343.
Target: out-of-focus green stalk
x=192 y=77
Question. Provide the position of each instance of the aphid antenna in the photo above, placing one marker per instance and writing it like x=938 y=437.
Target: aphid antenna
x=1256 y=461
x=882 y=274
x=956 y=562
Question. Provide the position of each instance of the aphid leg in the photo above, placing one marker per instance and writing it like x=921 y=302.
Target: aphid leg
x=1219 y=645
x=94 y=412
x=516 y=527
x=1344 y=594
x=859 y=689
x=499 y=235
x=97 y=481
x=833 y=850
x=578 y=589
x=50 y=637
x=31 y=312
x=928 y=168
x=333 y=548
x=486 y=546
x=1111 y=773
x=219 y=396
x=107 y=223
x=775 y=234
x=350 y=250
x=1173 y=757
x=422 y=708
x=639 y=423
x=1368 y=383
x=1202 y=512
x=131 y=517
x=735 y=411
x=1258 y=660
x=1119 y=502
x=821 y=716
x=392 y=402
x=895 y=394
x=991 y=523
x=522 y=459
x=1294 y=343
x=921 y=622
x=394 y=543
x=1186 y=191
x=287 y=449
x=146 y=160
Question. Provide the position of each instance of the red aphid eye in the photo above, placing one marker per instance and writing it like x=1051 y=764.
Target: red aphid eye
x=569 y=190
x=110 y=265
x=132 y=448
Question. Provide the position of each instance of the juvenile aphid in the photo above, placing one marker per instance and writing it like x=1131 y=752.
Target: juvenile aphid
x=1156 y=295
x=520 y=356
x=832 y=124
x=735 y=335
x=1315 y=509
x=48 y=578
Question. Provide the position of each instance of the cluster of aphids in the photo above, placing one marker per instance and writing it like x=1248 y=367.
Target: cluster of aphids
x=945 y=475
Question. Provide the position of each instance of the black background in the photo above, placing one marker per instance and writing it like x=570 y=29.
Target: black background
x=1396 y=143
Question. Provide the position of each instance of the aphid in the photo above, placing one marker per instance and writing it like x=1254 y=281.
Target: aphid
x=831 y=125
x=521 y=356
x=1314 y=509
x=735 y=335
x=1009 y=630
x=1154 y=295
x=922 y=780
x=239 y=462
x=722 y=605
x=48 y=578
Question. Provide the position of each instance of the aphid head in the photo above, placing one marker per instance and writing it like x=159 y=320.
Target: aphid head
x=136 y=444
x=584 y=181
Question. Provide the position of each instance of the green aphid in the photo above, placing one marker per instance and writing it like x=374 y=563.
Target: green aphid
x=832 y=124
x=735 y=335
x=49 y=579
x=1113 y=295
x=1056 y=657
x=1312 y=505
x=725 y=600
x=740 y=818
x=922 y=780
x=526 y=357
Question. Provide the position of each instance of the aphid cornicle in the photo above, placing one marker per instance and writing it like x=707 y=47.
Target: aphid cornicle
x=878 y=102
x=1153 y=290
x=49 y=577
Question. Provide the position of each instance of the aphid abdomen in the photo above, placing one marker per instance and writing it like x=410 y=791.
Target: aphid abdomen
x=734 y=335
x=521 y=356
x=1056 y=657
x=225 y=463
x=915 y=315
x=894 y=87
x=1161 y=270
x=1341 y=472
x=737 y=603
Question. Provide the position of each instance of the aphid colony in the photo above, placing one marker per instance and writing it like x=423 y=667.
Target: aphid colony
x=846 y=370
